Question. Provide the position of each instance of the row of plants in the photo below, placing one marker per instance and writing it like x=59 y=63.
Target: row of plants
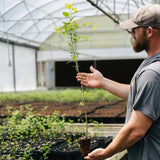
x=38 y=133
x=19 y=135
x=58 y=95
x=35 y=137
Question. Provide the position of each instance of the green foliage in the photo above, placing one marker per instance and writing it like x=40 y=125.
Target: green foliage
x=66 y=14
x=25 y=134
x=69 y=28
x=57 y=95
x=101 y=95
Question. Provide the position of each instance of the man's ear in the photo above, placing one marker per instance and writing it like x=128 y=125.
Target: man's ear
x=149 y=32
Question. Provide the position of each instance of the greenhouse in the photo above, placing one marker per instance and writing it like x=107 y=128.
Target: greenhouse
x=43 y=45
x=27 y=30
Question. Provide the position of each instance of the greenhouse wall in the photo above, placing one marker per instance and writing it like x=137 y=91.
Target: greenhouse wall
x=17 y=68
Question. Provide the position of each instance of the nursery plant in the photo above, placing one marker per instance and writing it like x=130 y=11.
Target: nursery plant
x=20 y=135
x=69 y=29
x=34 y=137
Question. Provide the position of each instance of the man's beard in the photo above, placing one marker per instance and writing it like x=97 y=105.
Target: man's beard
x=140 y=44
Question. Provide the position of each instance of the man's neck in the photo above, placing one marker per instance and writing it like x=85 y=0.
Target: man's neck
x=153 y=49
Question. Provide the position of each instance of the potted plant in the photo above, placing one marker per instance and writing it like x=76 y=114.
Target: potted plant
x=69 y=29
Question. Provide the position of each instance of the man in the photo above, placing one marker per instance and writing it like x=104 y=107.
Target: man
x=141 y=132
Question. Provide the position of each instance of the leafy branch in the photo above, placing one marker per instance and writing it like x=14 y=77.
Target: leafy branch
x=69 y=29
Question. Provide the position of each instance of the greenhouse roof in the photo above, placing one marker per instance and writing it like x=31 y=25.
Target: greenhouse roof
x=32 y=22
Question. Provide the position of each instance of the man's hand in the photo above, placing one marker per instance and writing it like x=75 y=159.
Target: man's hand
x=97 y=80
x=93 y=80
x=97 y=154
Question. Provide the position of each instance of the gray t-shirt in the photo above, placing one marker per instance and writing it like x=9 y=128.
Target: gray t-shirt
x=144 y=96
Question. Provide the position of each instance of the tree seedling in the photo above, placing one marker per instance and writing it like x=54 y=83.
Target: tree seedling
x=69 y=29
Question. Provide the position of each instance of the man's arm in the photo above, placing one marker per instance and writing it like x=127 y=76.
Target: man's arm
x=131 y=133
x=119 y=89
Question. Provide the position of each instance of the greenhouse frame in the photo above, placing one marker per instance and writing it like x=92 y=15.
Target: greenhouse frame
x=31 y=48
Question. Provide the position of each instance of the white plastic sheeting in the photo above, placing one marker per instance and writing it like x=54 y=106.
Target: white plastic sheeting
x=6 y=71
x=25 y=68
x=17 y=68
x=32 y=22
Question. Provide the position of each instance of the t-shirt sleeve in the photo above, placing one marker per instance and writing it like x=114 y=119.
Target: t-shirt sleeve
x=147 y=99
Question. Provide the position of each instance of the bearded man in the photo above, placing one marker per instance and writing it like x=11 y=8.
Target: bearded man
x=141 y=132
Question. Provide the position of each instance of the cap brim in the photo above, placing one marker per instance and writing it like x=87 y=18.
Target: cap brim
x=128 y=24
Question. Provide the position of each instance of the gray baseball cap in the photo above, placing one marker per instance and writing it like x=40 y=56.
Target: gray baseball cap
x=145 y=16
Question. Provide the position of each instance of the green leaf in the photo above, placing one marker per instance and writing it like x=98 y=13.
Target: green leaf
x=84 y=24
x=75 y=10
x=71 y=23
x=66 y=29
x=87 y=24
x=70 y=45
x=75 y=27
x=81 y=104
x=73 y=58
x=68 y=6
x=64 y=34
x=71 y=19
x=77 y=54
x=75 y=39
x=79 y=38
x=66 y=14
x=56 y=28
x=75 y=35
x=58 y=31
x=65 y=23
x=71 y=52
x=86 y=93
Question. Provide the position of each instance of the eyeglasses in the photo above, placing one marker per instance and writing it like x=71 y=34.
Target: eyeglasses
x=132 y=30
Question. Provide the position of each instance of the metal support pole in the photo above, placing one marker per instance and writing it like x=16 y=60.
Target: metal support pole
x=14 y=69
x=95 y=5
x=113 y=19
